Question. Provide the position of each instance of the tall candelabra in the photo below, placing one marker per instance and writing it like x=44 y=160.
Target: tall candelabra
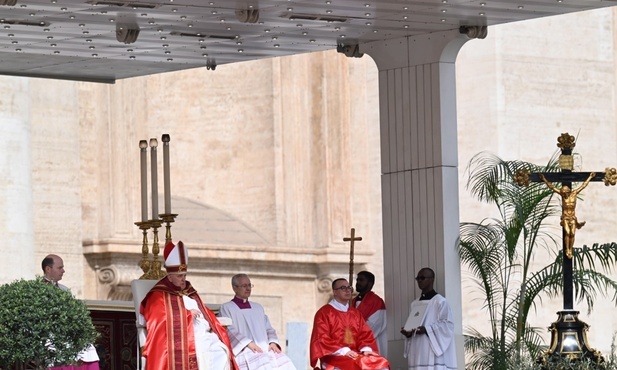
x=152 y=266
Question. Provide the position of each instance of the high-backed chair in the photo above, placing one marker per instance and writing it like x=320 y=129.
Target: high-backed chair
x=140 y=288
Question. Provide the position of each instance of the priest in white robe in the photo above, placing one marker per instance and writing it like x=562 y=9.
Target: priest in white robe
x=254 y=340
x=430 y=345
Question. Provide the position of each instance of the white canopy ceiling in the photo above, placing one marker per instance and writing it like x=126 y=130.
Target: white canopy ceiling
x=115 y=39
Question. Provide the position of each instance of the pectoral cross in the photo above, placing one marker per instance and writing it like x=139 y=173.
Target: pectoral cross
x=569 y=222
x=351 y=239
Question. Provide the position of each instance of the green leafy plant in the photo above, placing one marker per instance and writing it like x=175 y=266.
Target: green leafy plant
x=499 y=252
x=42 y=325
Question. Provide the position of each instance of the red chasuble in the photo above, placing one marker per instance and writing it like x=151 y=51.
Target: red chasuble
x=333 y=330
x=170 y=343
x=369 y=304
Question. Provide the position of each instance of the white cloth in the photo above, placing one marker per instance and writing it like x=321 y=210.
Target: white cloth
x=252 y=325
x=434 y=350
x=378 y=323
x=211 y=351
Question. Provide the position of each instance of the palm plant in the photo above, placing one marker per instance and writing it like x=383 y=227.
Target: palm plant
x=499 y=252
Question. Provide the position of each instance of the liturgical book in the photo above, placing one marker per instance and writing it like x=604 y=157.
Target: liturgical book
x=416 y=315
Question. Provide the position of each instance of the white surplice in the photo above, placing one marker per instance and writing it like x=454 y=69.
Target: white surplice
x=211 y=351
x=252 y=325
x=378 y=323
x=434 y=350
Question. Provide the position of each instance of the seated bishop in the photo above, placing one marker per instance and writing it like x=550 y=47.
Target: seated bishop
x=254 y=340
x=183 y=334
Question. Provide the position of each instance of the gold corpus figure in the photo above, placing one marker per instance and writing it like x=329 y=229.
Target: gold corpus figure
x=568 y=205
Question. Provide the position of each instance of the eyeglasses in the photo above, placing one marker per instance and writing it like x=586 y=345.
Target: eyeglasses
x=244 y=286
x=422 y=278
x=345 y=288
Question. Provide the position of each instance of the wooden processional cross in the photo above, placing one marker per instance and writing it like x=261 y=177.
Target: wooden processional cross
x=351 y=239
x=569 y=223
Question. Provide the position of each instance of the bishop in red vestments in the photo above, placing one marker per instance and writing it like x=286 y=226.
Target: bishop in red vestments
x=183 y=334
x=341 y=339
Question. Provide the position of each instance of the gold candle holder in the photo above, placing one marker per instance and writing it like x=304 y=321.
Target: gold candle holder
x=168 y=218
x=155 y=272
x=144 y=264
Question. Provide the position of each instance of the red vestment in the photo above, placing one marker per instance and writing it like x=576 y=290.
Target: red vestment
x=369 y=304
x=170 y=343
x=333 y=330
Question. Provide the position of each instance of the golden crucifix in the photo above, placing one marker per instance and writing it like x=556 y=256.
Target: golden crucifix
x=569 y=222
x=351 y=239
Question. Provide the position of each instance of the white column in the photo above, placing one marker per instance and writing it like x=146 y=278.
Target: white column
x=417 y=95
x=16 y=218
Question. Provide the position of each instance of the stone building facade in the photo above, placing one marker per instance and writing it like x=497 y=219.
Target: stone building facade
x=273 y=161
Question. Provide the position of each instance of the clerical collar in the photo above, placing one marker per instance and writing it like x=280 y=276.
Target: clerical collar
x=243 y=304
x=427 y=296
x=47 y=280
x=339 y=306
